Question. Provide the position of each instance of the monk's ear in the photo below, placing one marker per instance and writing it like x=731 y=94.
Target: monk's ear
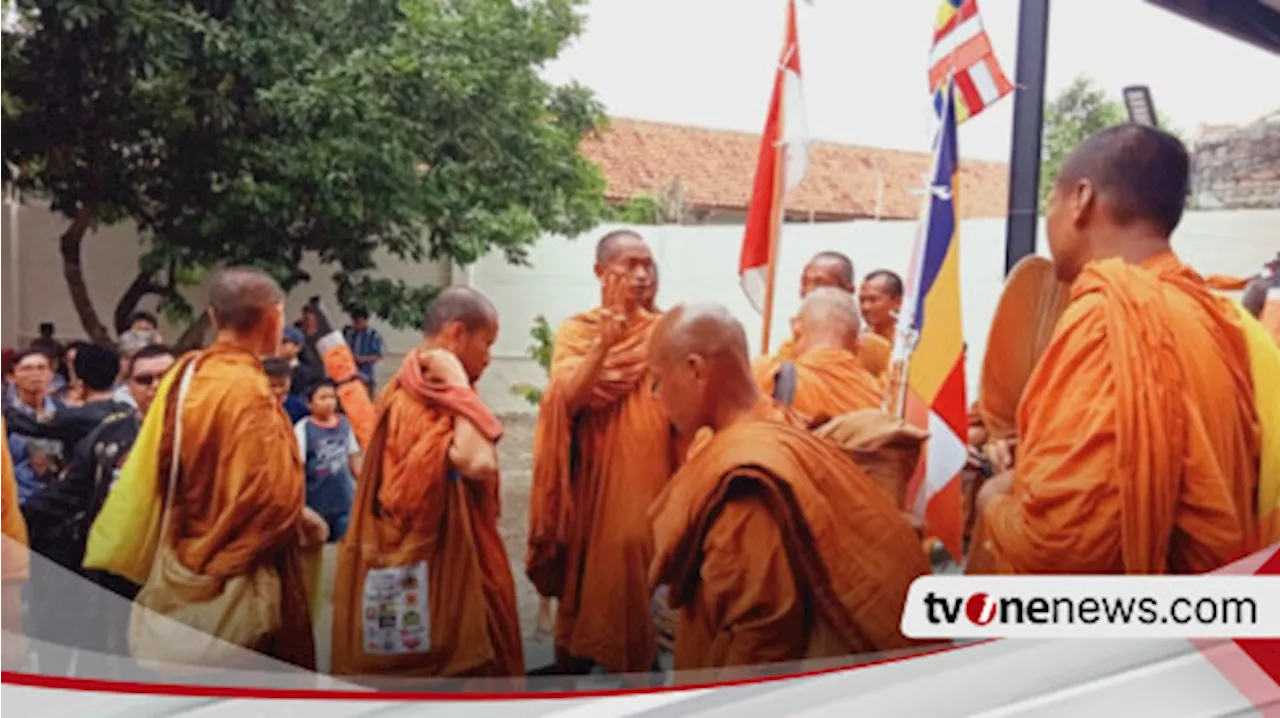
x=1084 y=199
x=697 y=366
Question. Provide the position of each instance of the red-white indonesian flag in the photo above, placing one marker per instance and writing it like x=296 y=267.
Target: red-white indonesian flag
x=784 y=157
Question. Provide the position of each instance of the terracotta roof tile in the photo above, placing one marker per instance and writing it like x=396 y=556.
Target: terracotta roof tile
x=715 y=169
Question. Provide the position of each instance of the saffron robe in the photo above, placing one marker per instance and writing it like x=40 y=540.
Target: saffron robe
x=410 y=507
x=1139 y=442
x=594 y=475
x=776 y=546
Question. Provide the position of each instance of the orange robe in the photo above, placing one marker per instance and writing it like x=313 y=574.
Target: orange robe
x=13 y=549
x=353 y=393
x=241 y=489
x=874 y=350
x=829 y=382
x=777 y=547
x=1139 y=443
x=411 y=508
x=594 y=476
x=16 y=562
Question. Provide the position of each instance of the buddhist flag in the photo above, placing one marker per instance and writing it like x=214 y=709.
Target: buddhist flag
x=962 y=49
x=935 y=386
x=784 y=157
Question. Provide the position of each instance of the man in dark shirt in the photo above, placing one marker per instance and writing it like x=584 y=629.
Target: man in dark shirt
x=91 y=476
x=57 y=593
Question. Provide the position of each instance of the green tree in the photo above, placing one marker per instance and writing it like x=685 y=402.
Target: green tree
x=259 y=132
x=539 y=351
x=1080 y=110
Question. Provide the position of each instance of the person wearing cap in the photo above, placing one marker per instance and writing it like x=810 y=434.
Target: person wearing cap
x=128 y=344
x=303 y=374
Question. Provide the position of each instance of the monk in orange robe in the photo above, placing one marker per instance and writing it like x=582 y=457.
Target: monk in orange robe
x=240 y=492
x=880 y=299
x=1138 y=442
x=833 y=269
x=16 y=561
x=423 y=538
x=830 y=379
x=603 y=450
x=776 y=546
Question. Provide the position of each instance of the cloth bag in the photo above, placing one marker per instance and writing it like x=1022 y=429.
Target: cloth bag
x=181 y=619
x=124 y=535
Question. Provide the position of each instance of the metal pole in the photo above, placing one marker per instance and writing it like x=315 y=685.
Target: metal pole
x=1028 y=125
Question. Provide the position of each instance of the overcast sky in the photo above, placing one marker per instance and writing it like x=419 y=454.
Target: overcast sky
x=710 y=63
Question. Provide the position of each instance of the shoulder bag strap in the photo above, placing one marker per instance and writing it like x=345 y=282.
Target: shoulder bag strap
x=784 y=383
x=175 y=462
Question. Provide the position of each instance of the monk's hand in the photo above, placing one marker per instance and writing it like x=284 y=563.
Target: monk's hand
x=315 y=530
x=1000 y=452
x=1000 y=485
x=445 y=365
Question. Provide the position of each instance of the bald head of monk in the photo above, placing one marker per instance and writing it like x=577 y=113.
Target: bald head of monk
x=464 y=322
x=828 y=318
x=880 y=300
x=827 y=269
x=247 y=308
x=1120 y=193
x=701 y=369
x=622 y=256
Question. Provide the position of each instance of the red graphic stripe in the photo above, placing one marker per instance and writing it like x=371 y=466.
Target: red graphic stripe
x=35 y=680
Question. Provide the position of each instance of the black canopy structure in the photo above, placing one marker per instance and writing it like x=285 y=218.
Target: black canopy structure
x=1256 y=22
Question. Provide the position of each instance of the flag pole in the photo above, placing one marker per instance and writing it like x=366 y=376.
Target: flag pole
x=775 y=231
x=895 y=401
x=776 y=213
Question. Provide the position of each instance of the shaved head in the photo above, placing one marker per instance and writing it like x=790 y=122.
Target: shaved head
x=462 y=305
x=890 y=281
x=827 y=269
x=706 y=329
x=1139 y=172
x=828 y=317
x=614 y=243
x=701 y=367
x=1121 y=192
x=624 y=266
x=464 y=322
x=240 y=298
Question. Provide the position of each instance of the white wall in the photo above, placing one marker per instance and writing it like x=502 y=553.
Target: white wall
x=700 y=264
x=34 y=289
x=697 y=263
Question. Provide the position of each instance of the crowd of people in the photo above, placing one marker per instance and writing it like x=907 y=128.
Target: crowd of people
x=763 y=499
x=71 y=415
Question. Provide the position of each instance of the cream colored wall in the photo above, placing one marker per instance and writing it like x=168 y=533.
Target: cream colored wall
x=35 y=291
x=697 y=263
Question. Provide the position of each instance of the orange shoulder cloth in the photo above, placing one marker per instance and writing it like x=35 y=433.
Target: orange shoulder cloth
x=551 y=503
x=855 y=553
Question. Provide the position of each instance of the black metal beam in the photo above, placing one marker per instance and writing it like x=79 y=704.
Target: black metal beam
x=1247 y=20
x=1028 y=122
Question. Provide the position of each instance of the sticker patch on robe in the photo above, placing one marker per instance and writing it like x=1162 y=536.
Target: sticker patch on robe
x=395 y=610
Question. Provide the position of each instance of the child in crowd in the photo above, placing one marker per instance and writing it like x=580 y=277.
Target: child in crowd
x=331 y=456
x=281 y=376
